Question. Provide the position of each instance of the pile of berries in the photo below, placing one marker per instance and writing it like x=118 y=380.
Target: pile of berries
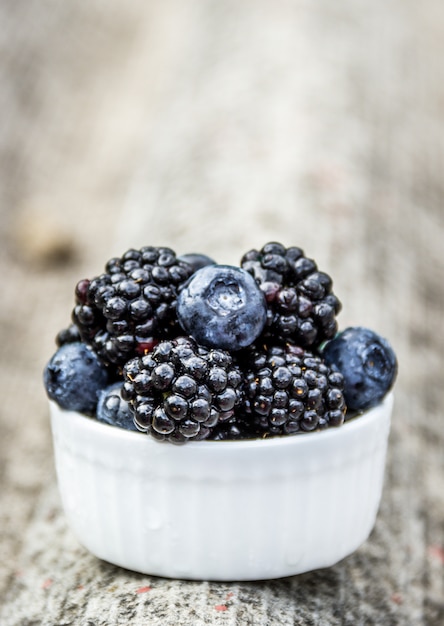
x=183 y=348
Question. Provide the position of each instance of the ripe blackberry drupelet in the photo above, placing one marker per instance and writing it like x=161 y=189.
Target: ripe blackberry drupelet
x=181 y=391
x=236 y=428
x=289 y=390
x=132 y=305
x=302 y=307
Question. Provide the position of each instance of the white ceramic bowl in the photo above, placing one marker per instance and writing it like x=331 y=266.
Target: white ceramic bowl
x=230 y=510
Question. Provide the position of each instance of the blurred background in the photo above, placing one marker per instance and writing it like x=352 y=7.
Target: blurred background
x=215 y=126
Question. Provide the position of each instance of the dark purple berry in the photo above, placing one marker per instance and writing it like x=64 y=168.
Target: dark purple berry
x=302 y=308
x=196 y=260
x=222 y=307
x=181 y=391
x=131 y=306
x=74 y=377
x=113 y=410
x=367 y=363
x=287 y=390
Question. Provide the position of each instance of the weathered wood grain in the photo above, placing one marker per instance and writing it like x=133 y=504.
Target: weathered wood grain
x=218 y=126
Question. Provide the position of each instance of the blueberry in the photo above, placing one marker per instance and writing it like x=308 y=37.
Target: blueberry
x=74 y=376
x=112 y=409
x=222 y=307
x=197 y=260
x=367 y=363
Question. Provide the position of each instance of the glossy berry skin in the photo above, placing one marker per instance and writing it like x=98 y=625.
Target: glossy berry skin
x=367 y=362
x=196 y=260
x=128 y=308
x=289 y=390
x=222 y=307
x=181 y=391
x=237 y=427
x=74 y=377
x=68 y=335
x=113 y=410
x=302 y=307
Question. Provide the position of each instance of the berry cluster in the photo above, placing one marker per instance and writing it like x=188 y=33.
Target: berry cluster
x=185 y=349
x=182 y=390
x=302 y=307
x=120 y=312
x=289 y=390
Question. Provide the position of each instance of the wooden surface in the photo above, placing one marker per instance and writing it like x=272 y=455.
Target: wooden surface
x=217 y=126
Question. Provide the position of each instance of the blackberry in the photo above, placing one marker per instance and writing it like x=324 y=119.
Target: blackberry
x=181 y=391
x=132 y=305
x=237 y=427
x=289 y=390
x=302 y=307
